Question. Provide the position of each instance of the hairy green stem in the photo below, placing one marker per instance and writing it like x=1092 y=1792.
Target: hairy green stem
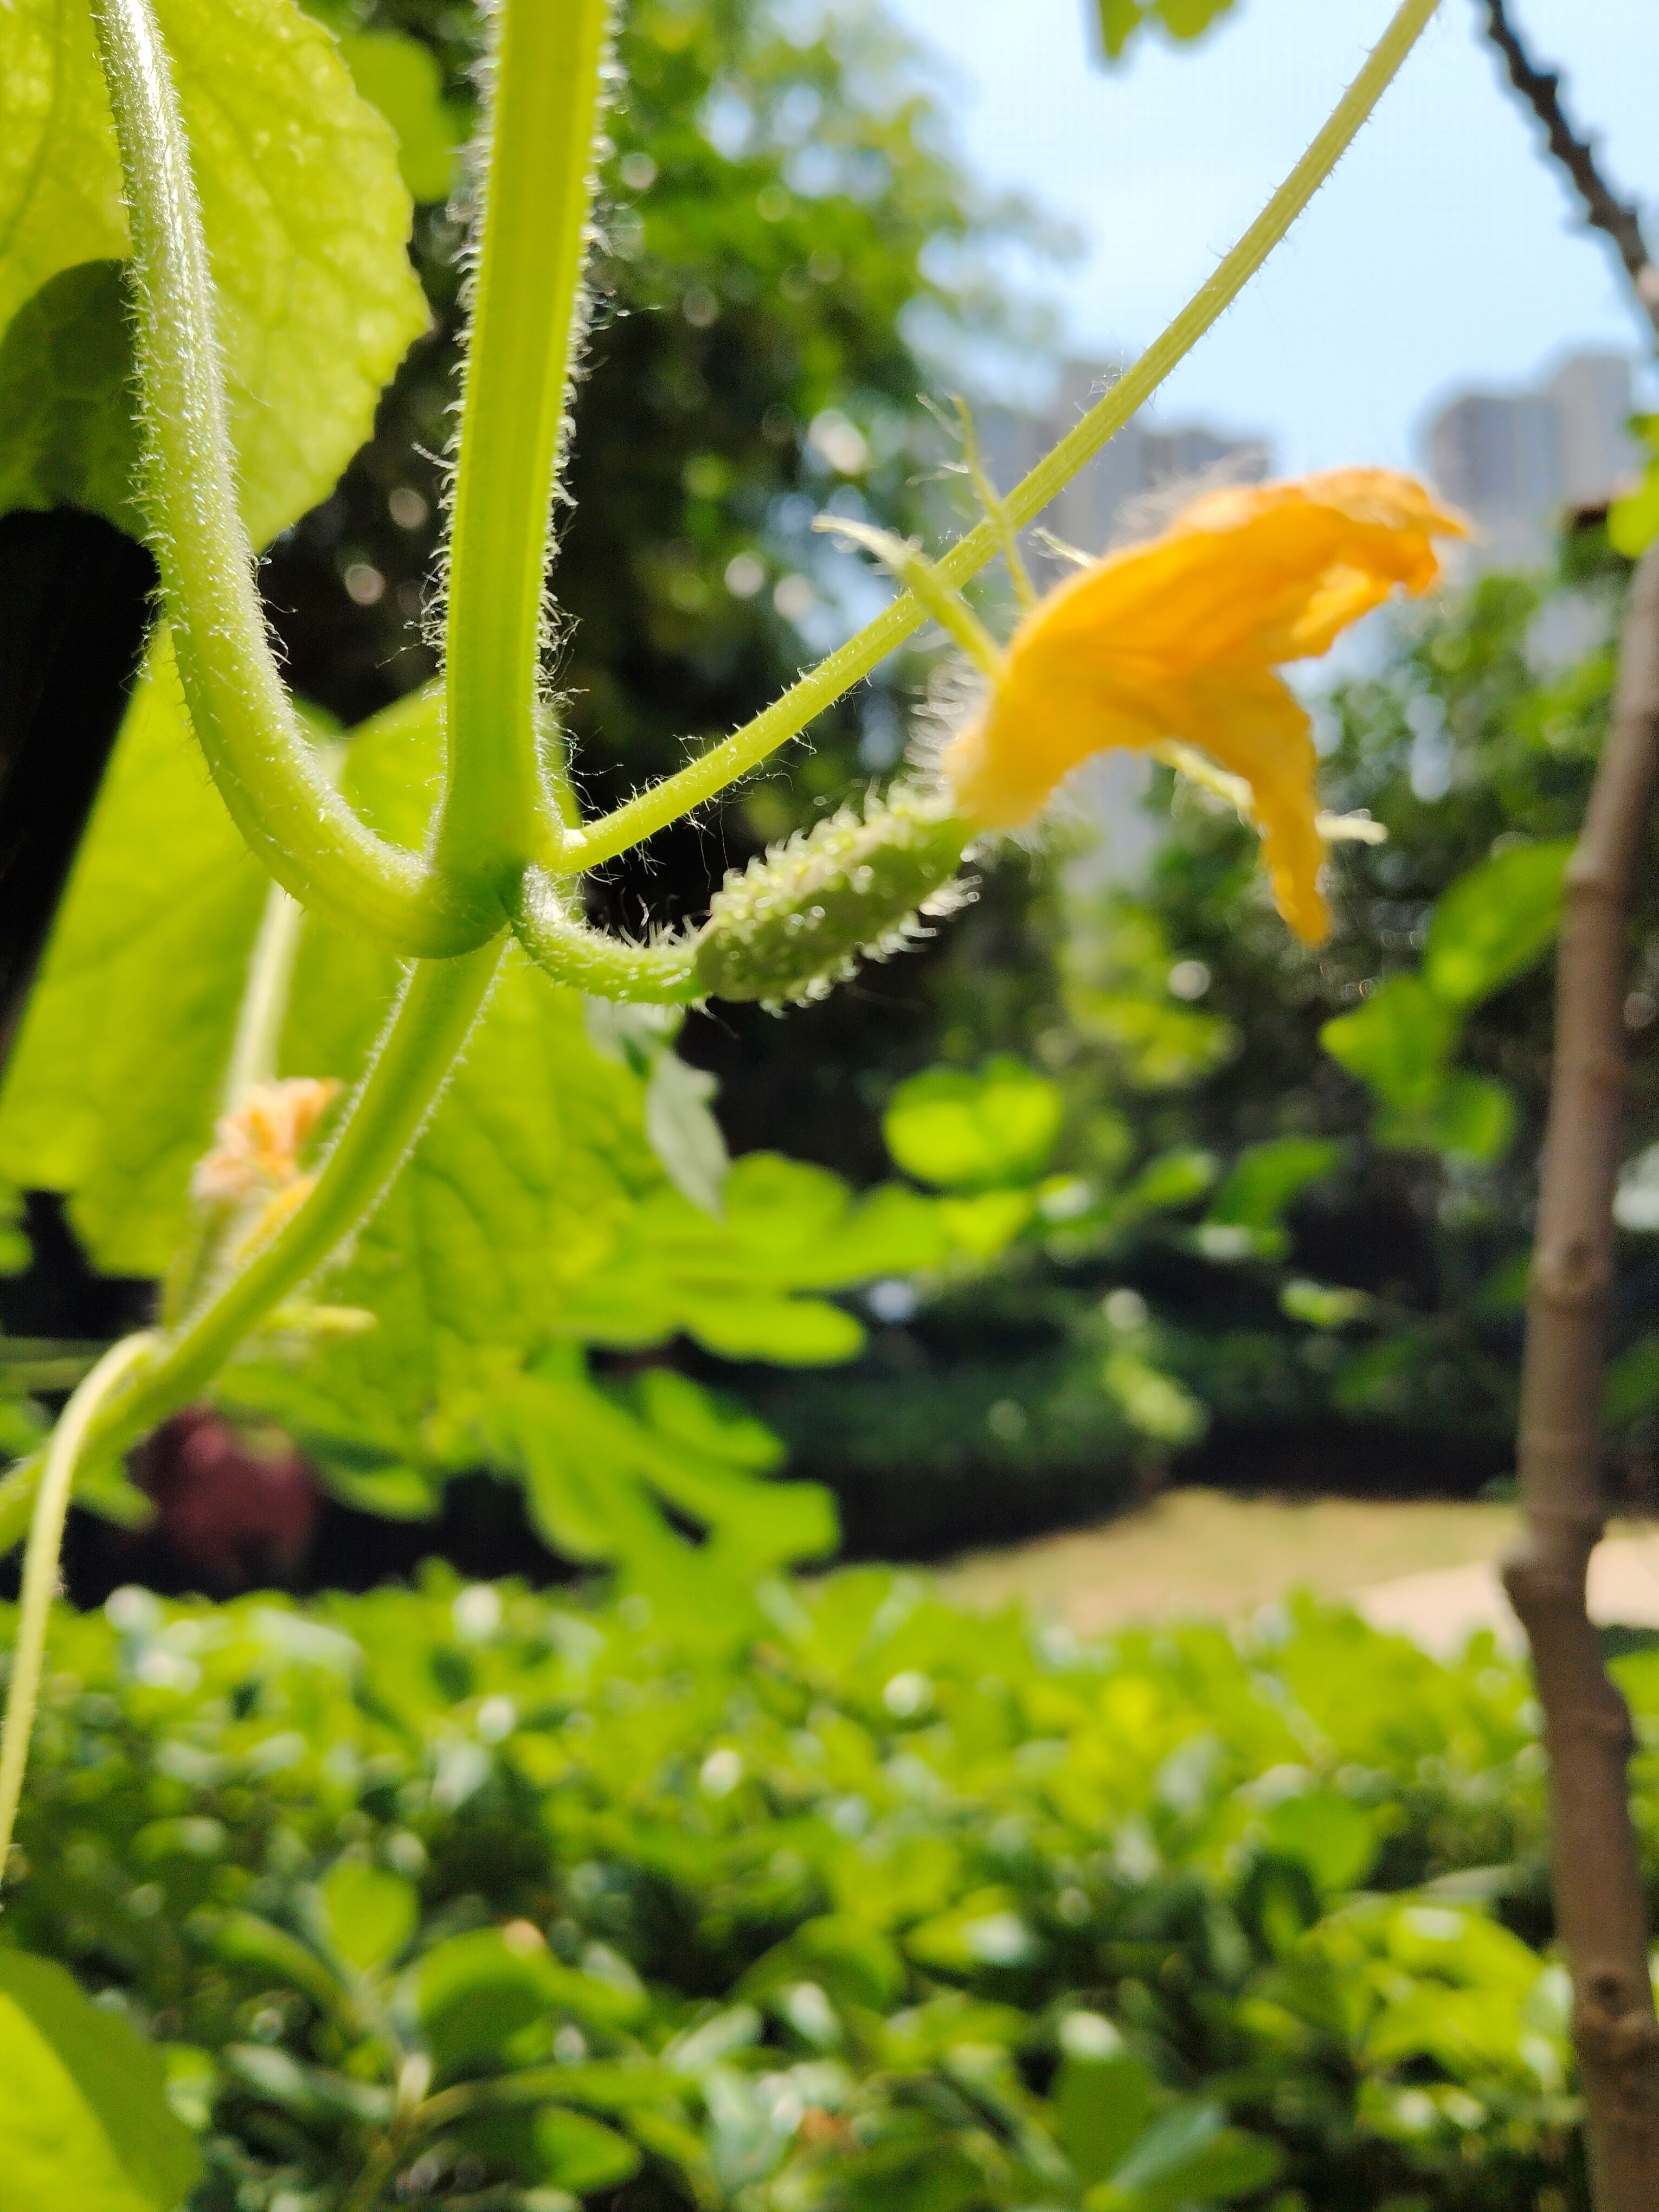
x=63 y=1453
x=654 y=808
x=527 y=314
x=604 y=967
x=269 y=775
x=265 y=1001
x=920 y=577
x=428 y=1033
x=996 y=511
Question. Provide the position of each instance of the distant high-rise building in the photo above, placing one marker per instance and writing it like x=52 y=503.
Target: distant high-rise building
x=1145 y=457
x=1513 y=461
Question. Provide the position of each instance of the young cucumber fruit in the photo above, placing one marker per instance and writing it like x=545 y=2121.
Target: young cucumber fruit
x=797 y=920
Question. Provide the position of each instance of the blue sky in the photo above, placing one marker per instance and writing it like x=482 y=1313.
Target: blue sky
x=1444 y=254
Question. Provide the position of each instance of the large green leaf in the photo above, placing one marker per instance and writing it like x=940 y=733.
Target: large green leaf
x=1492 y=923
x=400 y=77
x=473 y=1993
x=1328 y=1834
x=84 y=2120
x=67 y=398
x=114 y=1081
x=306 y=217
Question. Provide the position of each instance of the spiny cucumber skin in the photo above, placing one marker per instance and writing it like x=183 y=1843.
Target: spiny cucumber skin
x=797 y=922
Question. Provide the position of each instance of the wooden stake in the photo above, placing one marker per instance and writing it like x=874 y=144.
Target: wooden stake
x=1595 y=1869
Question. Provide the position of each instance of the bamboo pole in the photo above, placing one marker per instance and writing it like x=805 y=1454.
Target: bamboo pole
x=1596 y=1872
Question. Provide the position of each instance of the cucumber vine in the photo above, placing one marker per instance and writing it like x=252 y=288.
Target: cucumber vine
x=507 y=850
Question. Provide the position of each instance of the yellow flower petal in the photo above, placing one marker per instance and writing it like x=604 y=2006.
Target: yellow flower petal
x=1177 y=639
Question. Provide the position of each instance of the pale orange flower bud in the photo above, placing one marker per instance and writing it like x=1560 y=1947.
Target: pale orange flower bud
x=260 y=1145
x=1176 y=640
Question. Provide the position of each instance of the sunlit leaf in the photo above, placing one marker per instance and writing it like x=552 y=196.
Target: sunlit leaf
x=369 y=1913
x=1633 y=520
x=1493 y=922
x=1160 y=1046
x=84 y=2117
x=1469 y=1117
x=962 y=1132
x=399 y=76
x=306 y=217
x=1323 y=1305
x=1396 y=1042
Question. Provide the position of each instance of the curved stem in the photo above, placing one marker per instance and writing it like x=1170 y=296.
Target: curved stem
x=442 y=999
x=653 y=809
x=265 y=1001
x=68 y=1441
x=269 y=775
x=604 y=967
x=525 y=330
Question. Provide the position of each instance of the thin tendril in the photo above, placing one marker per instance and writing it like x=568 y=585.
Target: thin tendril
x=46 y=1544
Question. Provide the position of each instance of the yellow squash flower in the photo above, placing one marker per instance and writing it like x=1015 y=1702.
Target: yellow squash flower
x=1177 y=641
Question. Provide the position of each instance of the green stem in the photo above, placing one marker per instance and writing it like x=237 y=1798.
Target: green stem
x=269 y=775
x=254 y=1053
x=68 y=1441
x=653 y=809
x=440 y=1001
x=604 y=967
x=263 y=1009
x=996 y=512
x=920 y=577
x=527 y=315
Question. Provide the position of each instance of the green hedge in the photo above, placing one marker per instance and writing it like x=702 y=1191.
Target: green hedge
x=464 y=1897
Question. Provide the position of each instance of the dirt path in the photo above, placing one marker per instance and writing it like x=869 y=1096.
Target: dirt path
x=1426 y=1569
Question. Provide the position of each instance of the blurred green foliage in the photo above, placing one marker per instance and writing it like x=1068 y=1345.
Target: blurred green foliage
x=894 y=1906
x=1347 y=1300
x=1487 y=929
x=1473 y=741
x=1123 y=21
